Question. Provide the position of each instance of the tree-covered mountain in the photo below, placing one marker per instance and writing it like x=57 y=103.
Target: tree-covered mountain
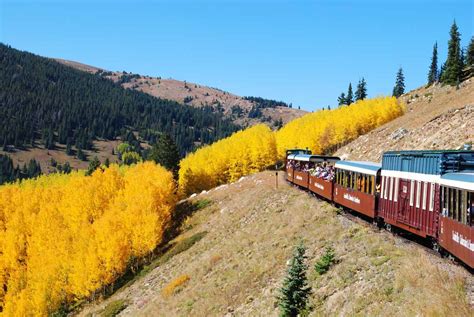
x=43 y=101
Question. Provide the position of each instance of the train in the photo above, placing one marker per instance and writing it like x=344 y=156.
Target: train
x=429 y=194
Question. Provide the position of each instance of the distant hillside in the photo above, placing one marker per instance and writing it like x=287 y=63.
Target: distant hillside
x=243 y=111
x=437 y=117
x=44 y=103
x=231 y=256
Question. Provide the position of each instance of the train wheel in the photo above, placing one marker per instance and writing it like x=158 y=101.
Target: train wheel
x=390 y=228
x=435 y=246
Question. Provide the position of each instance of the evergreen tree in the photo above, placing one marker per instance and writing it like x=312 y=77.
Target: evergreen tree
x=69 y=150
x=66 y=168
x=470 y=53
x=441 y=71
x=453 y=66
x=433 y=73
x=295 y=290
x=361 y=91
x=341 y=100
x=93 y=165
x=107 y=162
x=165 y=153
x=34 y=169
x=81 y=155
x=399 y=88
x=350 y=95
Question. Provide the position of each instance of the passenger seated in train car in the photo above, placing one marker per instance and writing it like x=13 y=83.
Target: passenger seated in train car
x=324 y=171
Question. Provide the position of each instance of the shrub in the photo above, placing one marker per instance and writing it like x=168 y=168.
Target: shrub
x=173 y=286
x=325 y=262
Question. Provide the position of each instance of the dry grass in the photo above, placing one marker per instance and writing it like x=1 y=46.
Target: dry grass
x=238 y=267
x=175 y=285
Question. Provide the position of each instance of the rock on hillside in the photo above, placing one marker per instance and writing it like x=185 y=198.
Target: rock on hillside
x=243 y=240
x=193 y=94
x=437 y=117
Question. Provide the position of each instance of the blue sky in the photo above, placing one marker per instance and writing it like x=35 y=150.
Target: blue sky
x=303 y=52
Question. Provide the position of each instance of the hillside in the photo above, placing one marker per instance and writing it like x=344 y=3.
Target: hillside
x=47 y=107
x=234 y=252
x=437 y=117
x=240 y=110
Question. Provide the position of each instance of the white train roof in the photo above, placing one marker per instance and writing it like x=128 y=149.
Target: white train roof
x=370 y=168
x=458 y=180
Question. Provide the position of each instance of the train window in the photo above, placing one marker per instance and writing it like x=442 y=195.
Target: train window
x=444 y=200
x=425 y=192
x=470 y=204
x=432 y=195
x=395 y=197
x=418 y=193
x=412 y=192
x=464 y=207
x=385 y=190
x=451 y=202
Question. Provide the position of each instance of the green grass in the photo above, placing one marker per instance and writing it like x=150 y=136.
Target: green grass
x=201 y=203
x=114 y=308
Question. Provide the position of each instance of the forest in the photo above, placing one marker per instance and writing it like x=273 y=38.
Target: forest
x=44 y=101
x=65 y=237
x=324 y=130
x=243 y=153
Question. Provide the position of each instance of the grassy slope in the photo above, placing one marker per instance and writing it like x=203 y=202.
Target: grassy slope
x=238 y=266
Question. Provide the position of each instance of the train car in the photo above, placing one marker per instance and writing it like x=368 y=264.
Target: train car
x=298 y=172
x=322 y=182
x=456 y=223
x=410 y=188
x=355 y=186
x=289 y=164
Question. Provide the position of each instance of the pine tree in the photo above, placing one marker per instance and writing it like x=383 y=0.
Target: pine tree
x=81 y=155
x=295 y=290
x=470 y=53
x=361 y=91
x=93 y=165
x=433 y=73
x=341 y=100
x=165 y=153
x=453 y=66
x=350 y=95
x=399 y=88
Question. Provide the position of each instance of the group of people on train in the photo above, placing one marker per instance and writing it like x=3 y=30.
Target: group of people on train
x=324 y=170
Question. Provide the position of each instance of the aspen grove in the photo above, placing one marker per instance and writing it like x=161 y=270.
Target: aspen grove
x=323 y=130
x=65 y=237
x=243 y=153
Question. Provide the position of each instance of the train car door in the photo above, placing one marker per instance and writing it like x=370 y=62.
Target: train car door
x=403 y=201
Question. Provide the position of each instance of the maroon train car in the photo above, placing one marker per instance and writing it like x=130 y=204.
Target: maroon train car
x=301 y=171
x=409 y=201
x=355 y=186
x=290 y=162
x=456 y=227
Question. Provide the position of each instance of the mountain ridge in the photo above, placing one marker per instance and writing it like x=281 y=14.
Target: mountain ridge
x=240 y=110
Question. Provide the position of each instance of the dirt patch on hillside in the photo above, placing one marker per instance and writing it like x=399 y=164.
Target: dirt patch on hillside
x=251 y=228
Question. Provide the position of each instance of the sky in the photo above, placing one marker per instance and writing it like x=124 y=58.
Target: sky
x=300 y=52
